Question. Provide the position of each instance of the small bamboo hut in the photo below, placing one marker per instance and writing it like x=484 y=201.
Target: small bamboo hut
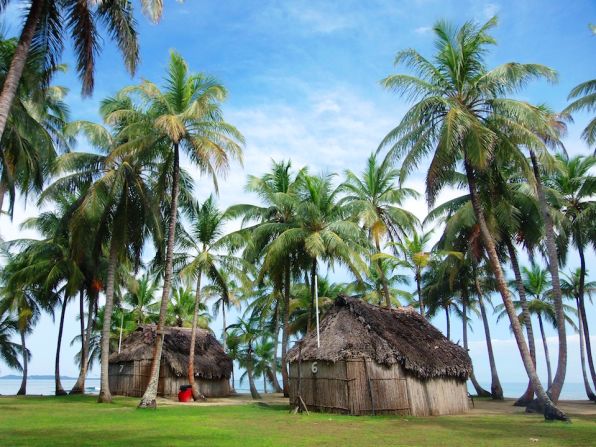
x=129 y=369
x=374 y=360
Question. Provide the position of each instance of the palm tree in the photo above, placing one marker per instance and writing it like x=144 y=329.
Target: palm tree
x=278 y=190
x=416 y=258
x=570 y=286
x=207 y=237
x=48 y=22
x=181 y=309
x=34 y=128
x=538 y=287
x=461 y=116
x=140 y=298
x=51 y=265
x=571 y=190
x=371 y=286
x=300 y=306
x=322 y=231
x=265 y=305
x=185 y=115
x=585 y=100
x=263 y=365
x=550 y=135
x=511 y=212
x=23 y=300
x=9 y=351
x=245 y=333
x=377 y=203
x=439 y=292
x=119 y=209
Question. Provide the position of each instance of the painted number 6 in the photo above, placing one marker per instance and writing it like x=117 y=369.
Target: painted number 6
x=313 y=367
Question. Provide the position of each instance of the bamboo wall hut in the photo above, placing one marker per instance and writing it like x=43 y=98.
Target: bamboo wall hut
x=374 y=360
x=129 y=369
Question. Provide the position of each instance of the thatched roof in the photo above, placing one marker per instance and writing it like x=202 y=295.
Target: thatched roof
x=211 y=362
x=353 y=328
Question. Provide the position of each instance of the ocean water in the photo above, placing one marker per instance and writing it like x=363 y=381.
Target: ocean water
x=44 y=387
x=571 y=391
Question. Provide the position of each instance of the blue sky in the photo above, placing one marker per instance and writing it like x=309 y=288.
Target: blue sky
x=303 y=80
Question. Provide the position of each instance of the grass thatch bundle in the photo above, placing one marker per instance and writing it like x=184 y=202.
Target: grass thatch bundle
x=355 y=329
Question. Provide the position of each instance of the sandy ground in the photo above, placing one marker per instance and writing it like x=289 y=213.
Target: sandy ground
x=481 y=407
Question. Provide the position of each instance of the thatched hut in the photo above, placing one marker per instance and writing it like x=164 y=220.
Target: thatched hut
x=129 y=369
x=374 y=360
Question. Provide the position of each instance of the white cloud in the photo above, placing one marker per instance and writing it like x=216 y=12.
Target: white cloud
x=423 y=30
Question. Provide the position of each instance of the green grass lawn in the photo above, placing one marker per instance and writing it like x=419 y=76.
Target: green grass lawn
x=79 y=421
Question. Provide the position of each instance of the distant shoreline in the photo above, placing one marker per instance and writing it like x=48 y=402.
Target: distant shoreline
x=42 y=377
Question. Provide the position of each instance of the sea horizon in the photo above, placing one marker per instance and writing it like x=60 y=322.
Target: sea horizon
x=45 y=387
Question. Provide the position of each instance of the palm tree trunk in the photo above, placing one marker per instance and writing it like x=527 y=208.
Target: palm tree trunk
x=105 y=396
x=13 y=77
x=264 y=383
x=2 y=194
x=582 y=310
x=149 y=397
x=582 y=357
x=448 y=323
x=383 y=278
x=550 y=410
x=79 y=386
x=249 y=371
x=82 y=317
x=546 y=355
x=480 y=392
x=553 y=265
x=495 y=386
x=274 y=380
x=528 y=395
x=286 y=330
x=59 y=390
x=196 y=393
x=23 y=389
x=224 y=335
x=420 y=300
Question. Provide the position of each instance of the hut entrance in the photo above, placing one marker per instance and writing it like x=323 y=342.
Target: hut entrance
x=375 y=389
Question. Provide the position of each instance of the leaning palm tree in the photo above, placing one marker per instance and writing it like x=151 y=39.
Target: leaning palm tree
x=183 y=116
x=571 y=190
x=512 y=214
x=377 y=202
x=538 y=286
x=461 y=115
x=49 y=22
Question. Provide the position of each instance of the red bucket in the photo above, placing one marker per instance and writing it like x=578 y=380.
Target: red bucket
x=185 y=393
